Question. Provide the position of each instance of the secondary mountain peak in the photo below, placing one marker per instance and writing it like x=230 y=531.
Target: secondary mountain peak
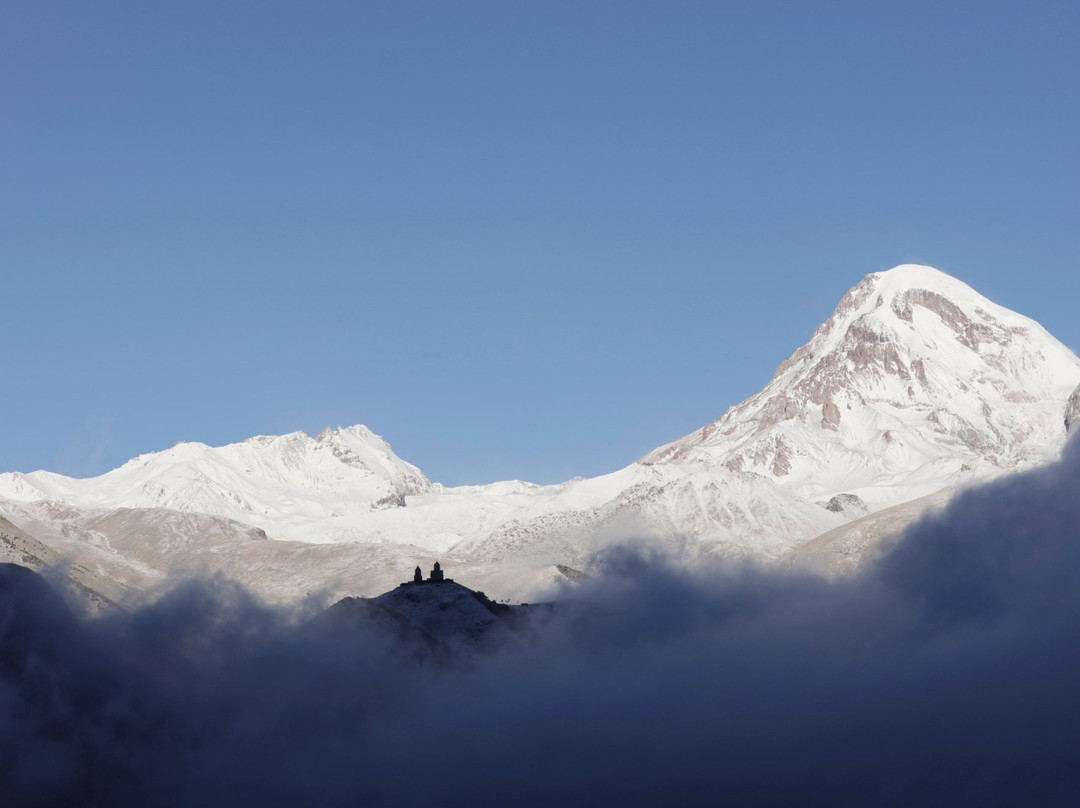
x=267 y=480
x=359 y=447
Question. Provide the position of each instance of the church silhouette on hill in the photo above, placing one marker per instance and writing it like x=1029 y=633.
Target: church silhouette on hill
x=436 y=577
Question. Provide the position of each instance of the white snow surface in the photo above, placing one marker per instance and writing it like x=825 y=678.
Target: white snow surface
x=287 y=484
x=915 y=384
x=294 y=489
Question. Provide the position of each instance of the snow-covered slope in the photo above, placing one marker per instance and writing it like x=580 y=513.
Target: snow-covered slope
x=287 y=484
x=297 y=488
x=915 y=382
x=130 y=555
x=847 y=549
x=692 y=512
x=914 y=385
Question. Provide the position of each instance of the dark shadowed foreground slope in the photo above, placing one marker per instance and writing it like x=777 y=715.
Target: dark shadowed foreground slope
x=438 y=623
x=944 y=675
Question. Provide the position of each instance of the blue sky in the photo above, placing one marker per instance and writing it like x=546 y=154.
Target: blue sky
x=519 y=240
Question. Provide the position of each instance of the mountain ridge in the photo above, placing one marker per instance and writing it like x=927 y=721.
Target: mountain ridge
x=915 y=384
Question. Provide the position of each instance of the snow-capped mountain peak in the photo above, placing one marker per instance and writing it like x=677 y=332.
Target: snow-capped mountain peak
x=359 y=447
x=915 y=381
x=268 y=480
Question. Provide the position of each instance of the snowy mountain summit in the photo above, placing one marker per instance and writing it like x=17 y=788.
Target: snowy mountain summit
x=270 y=481
x=915 y=382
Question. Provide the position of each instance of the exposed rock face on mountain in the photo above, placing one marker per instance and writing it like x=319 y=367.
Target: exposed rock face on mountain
x=19 y=547
x=915 y=385
x=915 y=382
x=1072 y=412
x=79 y=583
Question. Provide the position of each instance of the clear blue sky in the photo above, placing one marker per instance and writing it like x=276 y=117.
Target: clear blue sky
x=525 y=240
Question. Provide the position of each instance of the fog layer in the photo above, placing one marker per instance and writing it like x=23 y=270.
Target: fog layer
x=946 y=674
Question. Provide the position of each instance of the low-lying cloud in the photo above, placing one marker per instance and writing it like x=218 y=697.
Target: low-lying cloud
x=946 y=674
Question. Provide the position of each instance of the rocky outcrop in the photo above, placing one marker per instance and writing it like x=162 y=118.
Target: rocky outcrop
x=969 y=333
x=1072 y=412
x=848 y=504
